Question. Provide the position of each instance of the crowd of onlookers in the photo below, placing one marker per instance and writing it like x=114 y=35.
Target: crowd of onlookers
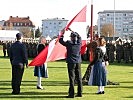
x=117 y=51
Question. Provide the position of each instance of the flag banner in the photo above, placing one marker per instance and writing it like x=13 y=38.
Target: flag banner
x=55 y=51
x=80 y=17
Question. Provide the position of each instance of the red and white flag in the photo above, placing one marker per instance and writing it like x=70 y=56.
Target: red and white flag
x=80 y=17
x=55 y=51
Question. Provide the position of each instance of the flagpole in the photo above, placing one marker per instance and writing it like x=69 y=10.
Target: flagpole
x=91 y=33
x=91 y=28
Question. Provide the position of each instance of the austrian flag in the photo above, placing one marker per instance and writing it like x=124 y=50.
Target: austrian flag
x=55 y=51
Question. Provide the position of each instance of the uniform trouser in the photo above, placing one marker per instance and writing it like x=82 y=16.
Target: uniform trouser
x=126 y=55
x=119 y=56
x=17 y=73
x=74 y=70
x=111 y=57
x=132 y=56
x=4 y=51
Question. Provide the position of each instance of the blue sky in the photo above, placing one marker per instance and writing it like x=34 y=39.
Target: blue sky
x=42 y=9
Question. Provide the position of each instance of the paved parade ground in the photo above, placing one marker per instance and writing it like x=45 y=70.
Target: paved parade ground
x=56 y=86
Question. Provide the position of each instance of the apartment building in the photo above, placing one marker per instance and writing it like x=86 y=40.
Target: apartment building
x=52 y=27
x=122 y=21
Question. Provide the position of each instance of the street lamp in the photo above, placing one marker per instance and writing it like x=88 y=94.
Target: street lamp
x=34 y=32
x=108 y=36
x=114 y=21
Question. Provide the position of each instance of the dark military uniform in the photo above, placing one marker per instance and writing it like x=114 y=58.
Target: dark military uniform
x=111 y=53
x=107 y=48
x=131 y=51
x=126 y=52
x=119 y=52
x=34 y=50
x=73 y=62
x=8 y=48
x=18 y=57
x=30 y=50
x=4 y=48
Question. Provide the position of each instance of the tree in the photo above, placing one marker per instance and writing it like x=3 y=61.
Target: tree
x=10 y=26
x=32 y=33
x=26 y=32
x=37 y=33
x=107 y=30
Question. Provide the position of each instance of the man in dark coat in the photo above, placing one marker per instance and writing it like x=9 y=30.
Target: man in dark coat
x=73 y=61
x=127 y=54
x=119 y=51
x=4 y=48
x=132 y=50
x=18 y=59
x=111 y=52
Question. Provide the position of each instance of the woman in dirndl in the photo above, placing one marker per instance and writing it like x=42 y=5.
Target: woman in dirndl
x=41 y=71
x=98 y=71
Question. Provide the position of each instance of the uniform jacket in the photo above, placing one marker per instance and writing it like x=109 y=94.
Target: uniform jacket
x=73 y=50
x=18 y=54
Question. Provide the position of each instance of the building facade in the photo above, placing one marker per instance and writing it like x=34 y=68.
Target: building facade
x=52 y=27
x=18 y=23
x=122 y=21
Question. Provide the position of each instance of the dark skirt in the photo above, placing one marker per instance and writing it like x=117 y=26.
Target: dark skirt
x=41 y=71
x=98 y=75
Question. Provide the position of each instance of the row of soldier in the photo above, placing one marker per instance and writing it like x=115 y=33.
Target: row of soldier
x=30 y=45
x=118 y=50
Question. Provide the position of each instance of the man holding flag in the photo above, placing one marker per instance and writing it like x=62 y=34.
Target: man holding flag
x=49 y=54
x=73 y=60
x=73 y=55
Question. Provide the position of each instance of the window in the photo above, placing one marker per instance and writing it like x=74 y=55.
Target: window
x=131 y=30
x=125 y=29
x=14 y=24
x=119 y=30
x=116 y=18
x=124 y=14
x=131 y=26
x=50 y=31
x=125 y=26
